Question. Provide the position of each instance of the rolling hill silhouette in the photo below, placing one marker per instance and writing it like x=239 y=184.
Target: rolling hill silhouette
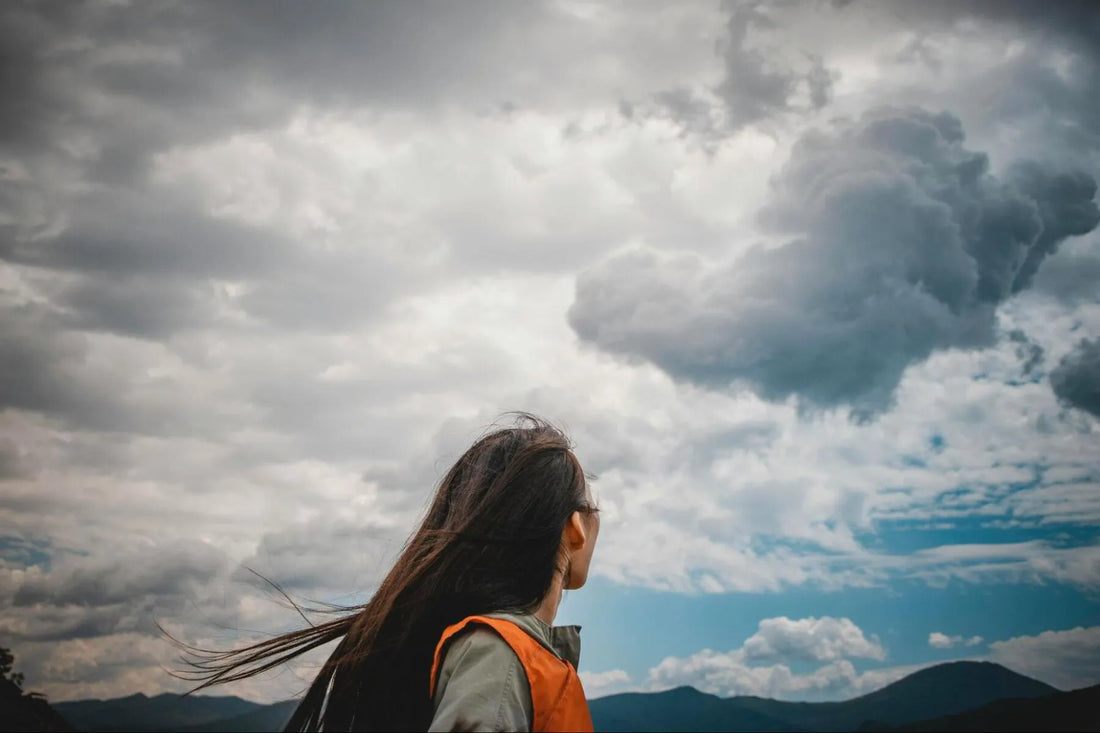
x=1078 y=710
x=924 y=698
x=269 y=717
x=928 y=693
x=165 y=712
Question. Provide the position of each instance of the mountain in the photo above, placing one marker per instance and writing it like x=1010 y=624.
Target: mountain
x=683 y=708
x=165 y=712
x=1078 y=710
x=923 y=698
x=933 y=692
x=268 y=718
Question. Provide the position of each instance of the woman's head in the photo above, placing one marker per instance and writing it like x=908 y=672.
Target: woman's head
x=512 y=512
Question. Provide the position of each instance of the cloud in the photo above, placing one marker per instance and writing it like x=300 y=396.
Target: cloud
x=1076 y=379
x=938 y=640
x=1066 y=208
x=220 y=78
x=84 y=624
x=754 y=86
x=88 y=668
x=904 y=245
x=51 y=370
x=1034 y=561
x=86 y=596
x=1072 y=278
x=152 y=232
x=300 y=557
x=1067 y=659
x=761 y=79
x=824 y=639
x=13 y=464
x=781 y=641
x=599 y=684
x=1029 y=352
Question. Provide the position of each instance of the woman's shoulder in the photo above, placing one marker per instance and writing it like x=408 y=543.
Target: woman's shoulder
x=481 y=684
x=474 y=642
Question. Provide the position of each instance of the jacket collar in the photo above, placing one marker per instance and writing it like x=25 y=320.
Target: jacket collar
x=563 y=641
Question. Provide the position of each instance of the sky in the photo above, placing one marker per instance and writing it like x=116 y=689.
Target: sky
x=813 y=287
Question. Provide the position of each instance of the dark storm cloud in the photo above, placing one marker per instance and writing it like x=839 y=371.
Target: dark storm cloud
x=130 y=262
x=13 y=464
x=35 y=365
x=758 y=82
x=106 y=593
x=753 y=87
x=1074 y=20
x=1076 y=379
x=43 y=369
x=1028 y=352
x=1066 y=208
x=1070 y=277
x=139 y=77
x=903 y=245
x=60 y=623
x=93 y=92
x=300 y=558
x=136 y=306
x=95 y=581
x=146 y=233
x=1049 y=77
x=187 y=62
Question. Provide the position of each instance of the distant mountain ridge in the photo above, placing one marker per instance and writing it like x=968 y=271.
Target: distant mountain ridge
x=933 y=692
x=922 y=698
x=158 y=714
x=268 y=718
x=1078 y=710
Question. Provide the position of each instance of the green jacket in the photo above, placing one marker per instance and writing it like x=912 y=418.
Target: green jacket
x=481 y=683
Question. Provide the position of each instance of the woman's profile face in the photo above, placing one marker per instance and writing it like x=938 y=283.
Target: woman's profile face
x=581 y=557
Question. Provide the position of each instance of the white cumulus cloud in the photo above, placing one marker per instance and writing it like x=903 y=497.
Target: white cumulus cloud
x=939 y=640
x=781 y=641
x=1067 y=659
x=609 y=682
x=824 y=639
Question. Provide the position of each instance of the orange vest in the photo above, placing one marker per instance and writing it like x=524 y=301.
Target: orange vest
x=556 y=693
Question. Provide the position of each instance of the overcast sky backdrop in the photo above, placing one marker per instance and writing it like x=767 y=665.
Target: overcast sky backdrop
x=813 y=286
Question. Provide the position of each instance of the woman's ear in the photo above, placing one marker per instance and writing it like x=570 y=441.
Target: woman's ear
x=575 y=534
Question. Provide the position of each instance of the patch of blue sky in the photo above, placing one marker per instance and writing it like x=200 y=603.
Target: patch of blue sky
x=20 y=552
x=1022 y=380
x=903 y=536
x=1000 y=488
x=765 y=544
x=1040 y=501
x=936 y=444
x=1035 y=378
x=633 y=628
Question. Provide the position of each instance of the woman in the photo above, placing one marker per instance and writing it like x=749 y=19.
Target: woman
x=458 y=635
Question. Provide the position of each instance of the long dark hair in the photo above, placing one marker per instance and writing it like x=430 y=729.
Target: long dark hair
x=491 y=541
